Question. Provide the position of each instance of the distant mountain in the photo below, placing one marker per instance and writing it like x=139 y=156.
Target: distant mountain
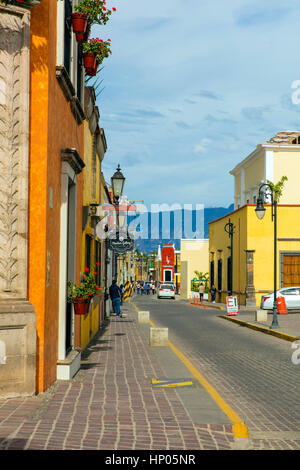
x=173 y=226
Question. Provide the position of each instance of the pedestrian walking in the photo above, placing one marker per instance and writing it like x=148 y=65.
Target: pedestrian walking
x=115 y=295
x=138 y=288
x=148 y=288
x=153 y=288
x=213 y=292
x=122 y=288
x=201 y=292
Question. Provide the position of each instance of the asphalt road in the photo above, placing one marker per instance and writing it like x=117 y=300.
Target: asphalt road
x=252 y=371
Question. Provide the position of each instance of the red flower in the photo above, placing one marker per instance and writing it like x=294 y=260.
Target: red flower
x=86 y=270
x=95 y=273
x=97 y=264
x=114 y=9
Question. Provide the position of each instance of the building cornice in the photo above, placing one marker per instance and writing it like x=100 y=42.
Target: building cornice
x=264 y=147
x=72 y=157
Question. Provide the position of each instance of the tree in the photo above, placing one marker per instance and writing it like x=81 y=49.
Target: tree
x=203 y=277
x=278 y=187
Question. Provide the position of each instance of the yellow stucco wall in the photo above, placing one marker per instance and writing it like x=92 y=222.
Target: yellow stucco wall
x=218 y=247
x=254 y=234
x=194 y=256
x=92 y=193
x=288 y=164
x=90 y=323
x=254 y=172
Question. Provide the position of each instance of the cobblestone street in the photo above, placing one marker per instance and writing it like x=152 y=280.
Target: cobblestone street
x=110 y=404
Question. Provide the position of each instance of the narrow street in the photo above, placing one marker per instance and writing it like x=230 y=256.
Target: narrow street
x=253 y=372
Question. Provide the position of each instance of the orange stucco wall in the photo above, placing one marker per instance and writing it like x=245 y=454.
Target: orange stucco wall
x=52 y=127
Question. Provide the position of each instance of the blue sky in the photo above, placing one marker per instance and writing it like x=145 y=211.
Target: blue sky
x=191 y=88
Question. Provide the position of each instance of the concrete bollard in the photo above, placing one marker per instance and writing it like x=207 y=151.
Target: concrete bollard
x=143 y=317
x=159 y=337
x=261 y=315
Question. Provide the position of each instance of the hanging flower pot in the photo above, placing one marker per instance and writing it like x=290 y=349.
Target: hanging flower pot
x=81 y=294
x=79 y=22
x=80 y=37
x=91 y=72
x=99 y=50
x=81 y=306
x=89 y=60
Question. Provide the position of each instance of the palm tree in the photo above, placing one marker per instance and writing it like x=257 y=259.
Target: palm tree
x=202 y=277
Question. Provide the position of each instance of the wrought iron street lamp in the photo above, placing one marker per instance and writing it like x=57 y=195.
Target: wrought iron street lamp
x=117 y=184
x=229 y=228
x=260 y=212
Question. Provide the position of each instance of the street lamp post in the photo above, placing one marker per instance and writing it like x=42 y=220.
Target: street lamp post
x=260 y=212
x=229 y=228
x=117 y=184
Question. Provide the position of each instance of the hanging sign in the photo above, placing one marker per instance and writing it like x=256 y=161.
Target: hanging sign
x=232 y=306
x=119 y=244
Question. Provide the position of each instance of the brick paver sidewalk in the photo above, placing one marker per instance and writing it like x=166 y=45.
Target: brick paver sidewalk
x=110 y=404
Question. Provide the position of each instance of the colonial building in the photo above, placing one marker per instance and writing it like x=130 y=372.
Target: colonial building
x=92 y=248
x=48 y=207
x=17 y=308
x=245 y=267
x=277 y=157
x=194 y=256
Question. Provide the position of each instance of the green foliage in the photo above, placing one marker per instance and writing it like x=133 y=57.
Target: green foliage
x=278 y=187
x=86 y=289
x=202 y=278
x=97 y=46
x=96 y=11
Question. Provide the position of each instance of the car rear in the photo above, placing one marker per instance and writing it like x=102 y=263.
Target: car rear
x=266 y=302
x=166 y=291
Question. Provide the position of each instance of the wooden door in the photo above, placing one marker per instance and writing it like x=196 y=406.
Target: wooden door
x=291 y=270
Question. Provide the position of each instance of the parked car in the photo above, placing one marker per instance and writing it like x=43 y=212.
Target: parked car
x=166 y=290
x=291 y=296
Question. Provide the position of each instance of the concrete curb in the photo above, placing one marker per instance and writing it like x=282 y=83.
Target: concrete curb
x=205 y=305
x=239 y=428
x=263 y=329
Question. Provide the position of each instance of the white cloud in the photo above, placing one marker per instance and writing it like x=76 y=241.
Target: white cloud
x=184 y=82
x=203 y=146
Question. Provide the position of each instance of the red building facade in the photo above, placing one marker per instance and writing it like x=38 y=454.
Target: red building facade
x=167 y=273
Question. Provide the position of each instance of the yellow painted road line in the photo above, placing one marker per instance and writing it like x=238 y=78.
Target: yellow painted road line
x=170 y=383
x=179 y=384
x=239 y=427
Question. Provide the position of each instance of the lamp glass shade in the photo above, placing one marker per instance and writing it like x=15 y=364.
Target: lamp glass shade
x=117 y=183
x=260 y=210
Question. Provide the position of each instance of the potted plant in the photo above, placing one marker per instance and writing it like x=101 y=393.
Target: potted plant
x=96 y=11
x=79 y=24
x=94 y=52
x=80 y=295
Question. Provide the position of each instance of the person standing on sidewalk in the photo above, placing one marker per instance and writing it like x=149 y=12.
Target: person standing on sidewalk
x=213 y=292
x=201 y=292
x=115 y=295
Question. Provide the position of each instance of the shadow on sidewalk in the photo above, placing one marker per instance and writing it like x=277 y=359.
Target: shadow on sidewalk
x=89 y=365
x=12 y=444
